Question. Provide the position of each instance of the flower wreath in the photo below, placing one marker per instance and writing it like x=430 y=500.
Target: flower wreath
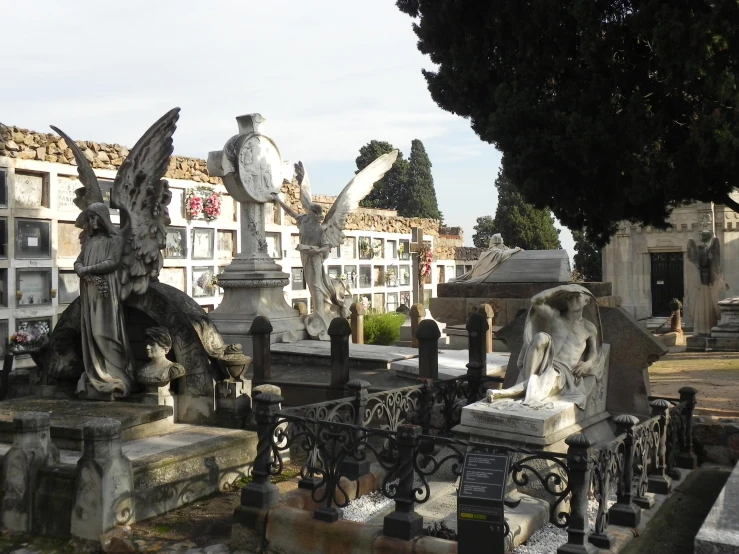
x=203 y=201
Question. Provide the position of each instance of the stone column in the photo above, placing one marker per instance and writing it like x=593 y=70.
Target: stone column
x=251 y=167
x=104 y=483
x=31 y=451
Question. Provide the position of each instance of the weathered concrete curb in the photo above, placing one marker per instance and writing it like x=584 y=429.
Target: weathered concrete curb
x=716 y=439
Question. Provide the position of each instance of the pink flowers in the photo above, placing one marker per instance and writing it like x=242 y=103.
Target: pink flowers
x=212 y=206
x=21 y=337
x=425 y=258
x=203 y=201
x=194 y=205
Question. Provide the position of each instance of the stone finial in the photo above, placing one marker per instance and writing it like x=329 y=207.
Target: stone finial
x=357 y=308
x=477 y=323
x=260 y=326
x=418 y=310
x=339 y=327
x=626 y=420
x=250 y=123
x=486 y=310
x=579 y=440
x=358 y=384
x=428 y=329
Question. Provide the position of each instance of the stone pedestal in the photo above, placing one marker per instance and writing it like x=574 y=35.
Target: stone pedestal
x=724 y=335
x=104 y=484
x=508 y=422
x=251 y=167
x=233 y=402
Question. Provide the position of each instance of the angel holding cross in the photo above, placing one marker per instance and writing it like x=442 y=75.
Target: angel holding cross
x=330 y=296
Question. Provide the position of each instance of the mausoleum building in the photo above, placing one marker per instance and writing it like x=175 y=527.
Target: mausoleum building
x=649 y=267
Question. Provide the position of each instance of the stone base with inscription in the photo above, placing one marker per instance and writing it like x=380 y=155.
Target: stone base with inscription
x=254 y=287
x=508 y=422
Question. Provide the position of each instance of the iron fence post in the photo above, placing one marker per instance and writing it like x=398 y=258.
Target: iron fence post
x=260 y=493
x=339 y=331
x=624 y=512
x=260 y=332
x=580 y=464
x=487 y=311
x=356 y=463
x=404 y=523
x=659 y=481
x=686 y=458
x=477 y=330
x=428 y=335
x=417 y=313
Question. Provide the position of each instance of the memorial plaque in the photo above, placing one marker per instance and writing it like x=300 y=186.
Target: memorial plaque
x=202 y=244
x=176 y=243
x=68 y=241
x=175 y=205
x=274 y=245
x=226 y=244
x=65 y=187
x=69 y=286
x=349 y=248
x=34 y=286
x=480 y=508
x=29 y=190
x=202 y=281
x=32 y=238
x=297 y=279
x=174 y=277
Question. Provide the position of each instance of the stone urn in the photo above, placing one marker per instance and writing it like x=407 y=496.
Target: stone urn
x=233 y=362
x=676 y=318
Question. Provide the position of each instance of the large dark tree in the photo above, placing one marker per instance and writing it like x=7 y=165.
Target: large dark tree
x=419 y=197
x=605 y=110
x=484 y=230
x=588 y=259
x=387 y=191
x=520 y=223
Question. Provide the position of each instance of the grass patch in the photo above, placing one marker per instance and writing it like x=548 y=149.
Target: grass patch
x=382 y=329
x=290 y=470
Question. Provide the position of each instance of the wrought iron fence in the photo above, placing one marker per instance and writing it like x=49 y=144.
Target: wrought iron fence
x=339 y=438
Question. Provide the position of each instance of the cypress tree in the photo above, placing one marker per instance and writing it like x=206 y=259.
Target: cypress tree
x=419 y=197
x=520 y=223
x=389 y=189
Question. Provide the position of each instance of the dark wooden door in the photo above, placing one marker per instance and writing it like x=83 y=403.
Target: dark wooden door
x=667 y=281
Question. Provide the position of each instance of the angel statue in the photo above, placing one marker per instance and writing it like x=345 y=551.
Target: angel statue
x=704 y=282
x=331 y=297
x=562 y=356
x=118 y=261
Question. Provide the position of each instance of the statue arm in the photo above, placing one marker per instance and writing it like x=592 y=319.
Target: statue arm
x=79 y=265
x=540 y=306
x=111 y=263
x=288 y=210
x=584 y=367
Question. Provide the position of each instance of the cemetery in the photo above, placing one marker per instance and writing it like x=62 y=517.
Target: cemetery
x=207 y=355
x=523 y=412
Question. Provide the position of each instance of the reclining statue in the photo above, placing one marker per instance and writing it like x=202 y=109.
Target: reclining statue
x=562 y=356
x=489 y=261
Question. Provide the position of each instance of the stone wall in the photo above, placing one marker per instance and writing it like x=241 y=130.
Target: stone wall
x=383 y=221
x=47 y=147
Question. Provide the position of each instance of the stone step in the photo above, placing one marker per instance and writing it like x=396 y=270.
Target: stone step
x=68 y=417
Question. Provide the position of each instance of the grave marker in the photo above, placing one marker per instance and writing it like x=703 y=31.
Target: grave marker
x=480 y=509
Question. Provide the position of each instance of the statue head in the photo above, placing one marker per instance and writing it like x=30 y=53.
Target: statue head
x=705 y=236
x=97 y=220
x=158 y=342
x=317 y=211
x=496 y=240
x=577 y=301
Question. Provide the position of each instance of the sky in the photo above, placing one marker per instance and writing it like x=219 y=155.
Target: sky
x=329 y=76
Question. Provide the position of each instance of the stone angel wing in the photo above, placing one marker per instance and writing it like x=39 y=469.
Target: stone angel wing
x=90 y=192
x=142 y=196
x=692 y=253
x=714 y=260
x=353 y=193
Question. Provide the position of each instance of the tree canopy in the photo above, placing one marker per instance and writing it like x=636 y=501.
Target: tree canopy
x=520 y=223
x=604 y=110
x=408 y=187
x=388 y=190
x=588 y=259
x=484 y=230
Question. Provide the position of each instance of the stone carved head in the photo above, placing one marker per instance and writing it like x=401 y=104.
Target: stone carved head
x=158 y=342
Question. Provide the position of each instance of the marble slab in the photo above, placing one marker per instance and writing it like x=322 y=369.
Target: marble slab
x=452 y=363
x=506 y=418
x=720 y=530
x=322 y=349
x=533 y=266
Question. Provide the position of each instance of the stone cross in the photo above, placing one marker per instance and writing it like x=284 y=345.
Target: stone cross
x=251 y=168
x=415 y=248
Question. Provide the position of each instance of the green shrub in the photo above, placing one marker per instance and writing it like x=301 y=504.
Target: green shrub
x=382 y=328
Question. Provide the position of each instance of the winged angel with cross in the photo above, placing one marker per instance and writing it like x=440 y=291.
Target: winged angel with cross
x=116 y=262
x=330 y=296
